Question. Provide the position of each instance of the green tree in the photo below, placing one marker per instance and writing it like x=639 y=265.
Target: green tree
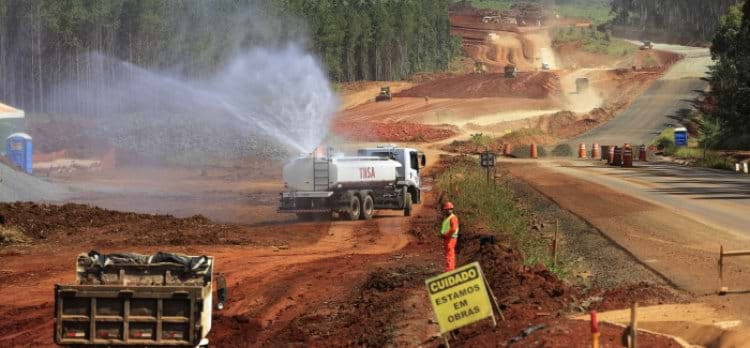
x=730 y=76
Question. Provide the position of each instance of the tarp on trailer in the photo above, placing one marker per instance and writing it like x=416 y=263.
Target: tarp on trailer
x=97 y=260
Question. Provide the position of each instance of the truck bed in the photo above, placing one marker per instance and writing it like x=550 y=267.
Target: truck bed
x=134 y=303
x=138 y=315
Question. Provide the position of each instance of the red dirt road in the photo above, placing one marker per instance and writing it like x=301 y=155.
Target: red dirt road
x=268 y=286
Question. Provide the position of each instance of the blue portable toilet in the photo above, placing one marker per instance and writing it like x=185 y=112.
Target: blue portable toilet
x=680 y=136
x=18 y=149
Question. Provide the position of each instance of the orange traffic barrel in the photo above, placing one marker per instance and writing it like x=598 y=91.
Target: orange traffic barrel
x=627 y=156
x=582 y=150
x=506 y=150
x=533 y=151
x=617 y=160
x=642 y=154
x=595 y=151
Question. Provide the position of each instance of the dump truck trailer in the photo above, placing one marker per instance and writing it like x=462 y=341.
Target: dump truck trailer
x=136 y=300
x=385 y=177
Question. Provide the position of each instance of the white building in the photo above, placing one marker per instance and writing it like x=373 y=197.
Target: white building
x=11 y=121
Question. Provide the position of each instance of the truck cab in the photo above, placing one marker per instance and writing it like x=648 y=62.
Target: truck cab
x=411 y=163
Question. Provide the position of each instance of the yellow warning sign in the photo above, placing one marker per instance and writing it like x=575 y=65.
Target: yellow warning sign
x=459 y=298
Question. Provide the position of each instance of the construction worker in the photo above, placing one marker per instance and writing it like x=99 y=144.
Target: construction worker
x=449 y=232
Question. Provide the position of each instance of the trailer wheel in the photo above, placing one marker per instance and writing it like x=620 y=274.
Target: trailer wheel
x=368 y=207
x=354 y=208
x=407 y=204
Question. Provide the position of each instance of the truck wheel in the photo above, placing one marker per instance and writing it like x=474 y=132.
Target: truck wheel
x=354 y=208
x=368 y=207
x=407 y=204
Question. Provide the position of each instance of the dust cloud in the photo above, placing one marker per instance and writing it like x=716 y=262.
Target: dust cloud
x=583 y=101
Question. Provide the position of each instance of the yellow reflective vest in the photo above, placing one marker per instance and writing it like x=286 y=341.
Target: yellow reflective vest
x=447 y=226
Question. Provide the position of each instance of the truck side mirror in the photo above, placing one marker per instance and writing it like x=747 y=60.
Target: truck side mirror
x=423 y=161
x=221 y=291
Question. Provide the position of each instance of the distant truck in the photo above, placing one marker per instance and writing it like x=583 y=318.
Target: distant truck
x=647 y=45
x=384 y=177
x=545 y=66
x=582 y=85
x=137 y=300
x=385 y=94
x=510 y=71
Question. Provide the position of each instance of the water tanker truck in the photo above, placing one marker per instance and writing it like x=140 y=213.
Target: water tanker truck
x=353 y=187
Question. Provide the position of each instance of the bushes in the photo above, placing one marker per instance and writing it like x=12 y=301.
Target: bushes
x=665 y=142
x=591 y=40
x=562 y=150
x=711 y=159
x=716 y=161
x=12 y=235
x=524 y=151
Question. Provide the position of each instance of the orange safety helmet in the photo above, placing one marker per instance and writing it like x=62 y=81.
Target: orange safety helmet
x=447 y=206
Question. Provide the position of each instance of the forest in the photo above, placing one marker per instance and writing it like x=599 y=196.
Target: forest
x=728 y=108
x=46 y=42
x=698 y=19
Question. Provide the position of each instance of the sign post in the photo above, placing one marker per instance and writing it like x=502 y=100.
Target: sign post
x=487 y=160
x=460 y=297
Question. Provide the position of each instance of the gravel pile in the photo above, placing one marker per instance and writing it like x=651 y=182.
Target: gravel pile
x=19 y=186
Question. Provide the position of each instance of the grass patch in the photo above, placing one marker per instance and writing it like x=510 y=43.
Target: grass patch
x=665 y=142
x=480 y=203
x=12 y=235
x=524 y=151
x=710 y=159
x=598 y=11
x=707 y=159
x=523 y=133
x=592 y=40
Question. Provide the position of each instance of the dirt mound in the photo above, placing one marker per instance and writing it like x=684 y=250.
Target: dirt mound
x=536 y=85
x=236 y=330
x=398 y=132
x=524 y=291
x=644 y=293
x=363 y=320
x=519 y=138
x=78 y=223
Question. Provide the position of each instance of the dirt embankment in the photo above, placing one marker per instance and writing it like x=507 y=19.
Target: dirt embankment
x=396 y=132
x=74 y=224
x=319 y=283
x=572 y=56
x=528 y=295
x=537 y=85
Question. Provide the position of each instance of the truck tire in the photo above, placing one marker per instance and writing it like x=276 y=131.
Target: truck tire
x=355 y=208
x=407 y=204
x=368 y=207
